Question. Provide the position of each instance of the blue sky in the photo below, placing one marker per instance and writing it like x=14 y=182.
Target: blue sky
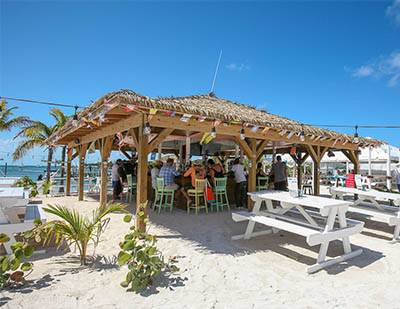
x=318 y=62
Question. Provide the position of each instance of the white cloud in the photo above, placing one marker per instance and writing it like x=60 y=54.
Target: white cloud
x=363 y=71
x=393 y=12
x=238 y=67
x=386 y=68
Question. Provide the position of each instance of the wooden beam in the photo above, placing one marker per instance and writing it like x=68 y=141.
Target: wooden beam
x=105 y=149
x=104 y=131
x=75 y=155
x=322 y=153
x=134 y=133
x=81 y=182
x=126 y=154
x=261 y=148
x=68 y=184
x=234 y=130
x=159 y=139
x=245 y=147
x=312 y=153
x=142 y=176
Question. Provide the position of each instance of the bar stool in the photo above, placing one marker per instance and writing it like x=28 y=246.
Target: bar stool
x=307 y=186
x=131 y=188
x=220 y=193
x=161 y=193
x=198 y=192
x=262 y=183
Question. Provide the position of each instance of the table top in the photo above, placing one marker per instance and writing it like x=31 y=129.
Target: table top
x=375 y=193
x=304 y=200
x=7 y=182
x=12 y=192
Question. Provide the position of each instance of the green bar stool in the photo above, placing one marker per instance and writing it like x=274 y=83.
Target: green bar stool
x=131 y=188
x=220 y=193
x=164 y=197
x=262 y=183
x=198 y=192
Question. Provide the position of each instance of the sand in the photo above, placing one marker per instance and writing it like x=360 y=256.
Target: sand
x=215 y=272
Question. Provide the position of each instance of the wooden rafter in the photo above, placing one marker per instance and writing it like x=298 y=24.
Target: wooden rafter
x=244 y=146
x=159 y=139
x=261 y=148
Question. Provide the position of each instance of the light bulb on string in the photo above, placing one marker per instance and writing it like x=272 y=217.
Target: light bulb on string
x=242 y=137
x=147 y=129
x=356 y=139
x=302 y=134
x=75 y=118
x=213 y=132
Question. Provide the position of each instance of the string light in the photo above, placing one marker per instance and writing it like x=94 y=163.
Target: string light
x=356 y=139
x=302 y=134
x=147 y=129
x=75 y=118
x=213 y=132
x=242 y=137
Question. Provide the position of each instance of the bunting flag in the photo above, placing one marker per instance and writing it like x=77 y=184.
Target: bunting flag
x=97 y=123
x=290 y=134
x=92 y=147
x=216 y=123
x=172 y=114
x=283 y=132
x=254 y=129
x=107 y=103
x=207 y=137
x=312 y=137
x=102 y=119
x=90 y=116
x=201 y=119
x=152 y=112
x=265 y=130
x=119 y=135
x=334 y=143
x=345 y=141
x=317 y=138
x=186 y=117
x=246 y=124
x=69 y=150
x=130 y=108
x=323 y=138
x=236 y=121
x=293 y=150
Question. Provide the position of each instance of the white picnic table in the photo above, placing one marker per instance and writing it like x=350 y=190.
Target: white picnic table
x=291 y=215
x=373 y=209
x=8 y=182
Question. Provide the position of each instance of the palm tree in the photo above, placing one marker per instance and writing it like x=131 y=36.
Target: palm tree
x=6 y=122
x=61 y=120
x=35 y=133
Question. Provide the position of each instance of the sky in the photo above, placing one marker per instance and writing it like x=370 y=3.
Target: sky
x=318 y=62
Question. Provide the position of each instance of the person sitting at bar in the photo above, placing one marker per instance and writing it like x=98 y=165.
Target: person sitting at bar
x=168 y=172
x=215 y=170
x=155 y=172
x=195 y=172
x=280 y=173
x=240 y=188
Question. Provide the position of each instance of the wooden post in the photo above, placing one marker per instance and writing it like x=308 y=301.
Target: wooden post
x=81 y=183
x=105 y=149
x=252 y=181
x=316 y=153
x=316 y=178
x=68 y=184
x=141 y=176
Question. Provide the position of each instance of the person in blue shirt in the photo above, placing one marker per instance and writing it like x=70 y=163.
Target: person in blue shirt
x=168 y=172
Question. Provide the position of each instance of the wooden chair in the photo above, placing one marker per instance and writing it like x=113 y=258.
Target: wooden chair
x=198 y=192
x=220 y=193
x=132 y=186
x=161 y=193
x=262 y=183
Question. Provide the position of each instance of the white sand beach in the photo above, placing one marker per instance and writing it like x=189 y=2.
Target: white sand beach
x=215 y=272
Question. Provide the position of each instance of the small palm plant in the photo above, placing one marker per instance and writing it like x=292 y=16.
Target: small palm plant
x=46 y=186
x=75 y=229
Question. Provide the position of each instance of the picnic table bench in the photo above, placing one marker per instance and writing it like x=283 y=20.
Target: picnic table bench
x=371 y=208
x=318 y=225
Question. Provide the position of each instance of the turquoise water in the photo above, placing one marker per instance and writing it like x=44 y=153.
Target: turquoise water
x=26 y=170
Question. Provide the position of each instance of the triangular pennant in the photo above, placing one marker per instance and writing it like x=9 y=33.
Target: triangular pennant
x=92 y=147
x=207 y=137
x=152 y=112
x=130 y=107
x=254 y=129
x=283 y=132
x=201 y=119
x=216 y=123
x=265 y=130
x=172 y=114
x=186 y=117
x=290 y=134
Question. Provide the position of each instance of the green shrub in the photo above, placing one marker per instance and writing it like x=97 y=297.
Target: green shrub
x=144 y=260
x=12 y=270
x=27 y=183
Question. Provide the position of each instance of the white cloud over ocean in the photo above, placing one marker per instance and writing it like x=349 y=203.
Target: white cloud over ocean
x=385 y=68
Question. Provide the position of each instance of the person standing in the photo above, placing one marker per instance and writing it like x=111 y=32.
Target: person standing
x=240 y=188
x=215 y=170
x=155 y=171
x=116 y=184
x=280 y=173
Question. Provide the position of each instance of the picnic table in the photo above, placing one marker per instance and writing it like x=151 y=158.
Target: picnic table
x=371 y=208
x=310 y=216
x=8 y=182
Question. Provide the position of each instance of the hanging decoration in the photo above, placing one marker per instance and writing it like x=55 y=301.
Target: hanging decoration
x=293 y=150
x=207 y=137
x=152 y=112
x=334 y=143
x=290 y=134
x=130 y=108
x=216 y=123
x=92 y=147
x=171 y=114
x=265 y=130
x=186 y=117
x=283 y=132
x=201 y=119
x=254 y=129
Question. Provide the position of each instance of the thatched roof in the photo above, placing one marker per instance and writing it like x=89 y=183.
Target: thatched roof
x=207 y=106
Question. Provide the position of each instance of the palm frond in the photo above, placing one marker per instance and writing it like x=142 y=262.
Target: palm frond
x=24 y=146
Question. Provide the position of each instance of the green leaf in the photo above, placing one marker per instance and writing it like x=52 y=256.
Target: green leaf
x=4 y=264
x=128 y=218
x=4 y=238
x=28 y=250
x=38 y=238
x=124 y=284
x=129 y=245
x=16 y=245
x=28 y=234
x=26 y=266
x=123 y=257
x=128 y=237
x=141 y=213
x=152 y=250
x=37 y=221
x=146 y=220
x=19 y=254
x=15 y=264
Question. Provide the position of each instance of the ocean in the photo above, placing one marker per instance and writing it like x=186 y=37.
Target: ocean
x=25 y=170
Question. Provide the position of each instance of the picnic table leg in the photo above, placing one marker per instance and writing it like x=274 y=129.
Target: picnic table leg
x=329 y=225
x=251 y=224
x=343 y=224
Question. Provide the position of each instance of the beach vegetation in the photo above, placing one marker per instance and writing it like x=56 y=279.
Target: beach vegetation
x=27 y=183
x=7 y=122
x=72 y=228
x=145 y=261
x=13 y=270
x=46 y=186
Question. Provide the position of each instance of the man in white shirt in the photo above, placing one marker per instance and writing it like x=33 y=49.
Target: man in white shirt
x=155 y=171
x=240 y=188
x=116 y=184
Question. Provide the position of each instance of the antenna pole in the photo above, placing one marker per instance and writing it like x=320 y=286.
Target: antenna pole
x=216 y=71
